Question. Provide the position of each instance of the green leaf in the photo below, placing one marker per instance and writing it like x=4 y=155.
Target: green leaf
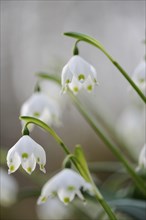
x=82 y=164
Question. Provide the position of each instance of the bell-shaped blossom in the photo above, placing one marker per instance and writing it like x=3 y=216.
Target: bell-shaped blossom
x=65 y=185
x=8 y=189
x=27 y=153
x=76 y=73
x=142 y=158
x=39 y=105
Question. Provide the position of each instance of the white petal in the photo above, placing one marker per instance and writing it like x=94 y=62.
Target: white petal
x=65 y=195
x=142 y=157
x=93 y=74
x=35 y=105
x=41 y=200
x=79 y=67
x=66 y=76
x=13 y=163
x=25 y=145
x=40 y=156
x=75 y=86
x=29 y=165
x=79 y=194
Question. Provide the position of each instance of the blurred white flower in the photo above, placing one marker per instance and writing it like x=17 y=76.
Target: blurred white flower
x=54 y=209
x=139 y=76
x=39 y=105
x=78 y=74
x=130 y=128
x=66 y=185
x=142 y=158
x=27 y=153
x=8 y=189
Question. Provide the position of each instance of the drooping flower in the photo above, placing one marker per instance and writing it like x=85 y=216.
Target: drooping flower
x=142 y=158
x=39 y=105
x=78 y=74
x=65 y=185
x=8 y=189
x=27 y=153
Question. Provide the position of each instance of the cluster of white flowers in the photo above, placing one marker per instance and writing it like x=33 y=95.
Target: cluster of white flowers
x=45 y=105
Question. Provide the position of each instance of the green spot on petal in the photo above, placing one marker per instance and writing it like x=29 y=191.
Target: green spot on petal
x=25 y=155
x=67 y=81
x=141 y=80
x=38 y=159
x=89 y=87
x=75 y=89
x=81 y=77
x=66 y=200
x=36 y=114
x=95 y=81
x=70 y=188
x=43 y=199
x=41 y=166
x=54 y=194
x=29 y=169
x=12 y=168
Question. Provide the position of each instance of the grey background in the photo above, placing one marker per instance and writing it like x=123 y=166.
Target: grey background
x=32 y=40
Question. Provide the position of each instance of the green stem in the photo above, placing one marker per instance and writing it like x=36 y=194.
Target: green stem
x=116 y=151
x=98 y=195
x=94 y=42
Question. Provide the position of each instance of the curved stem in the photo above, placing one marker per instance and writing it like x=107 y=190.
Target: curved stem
x=94 y=42
x=98 y=195
x=116 y=151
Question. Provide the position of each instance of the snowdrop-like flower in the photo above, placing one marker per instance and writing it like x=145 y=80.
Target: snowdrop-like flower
x=142 y=158
x=139 y=76
x=66 y=185
x=77 y=74
x=8 y=189
x=39 y=105
x=27 y=153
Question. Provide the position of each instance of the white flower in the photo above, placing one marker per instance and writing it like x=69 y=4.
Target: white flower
x=8 y=189
x=142 y=158
x=139 y=76
x=39 y=105
x=77 y=74
x=27 y=153
x=130 y=128
x=66 y=185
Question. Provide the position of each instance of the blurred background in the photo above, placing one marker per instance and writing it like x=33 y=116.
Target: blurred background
x=32 y=40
